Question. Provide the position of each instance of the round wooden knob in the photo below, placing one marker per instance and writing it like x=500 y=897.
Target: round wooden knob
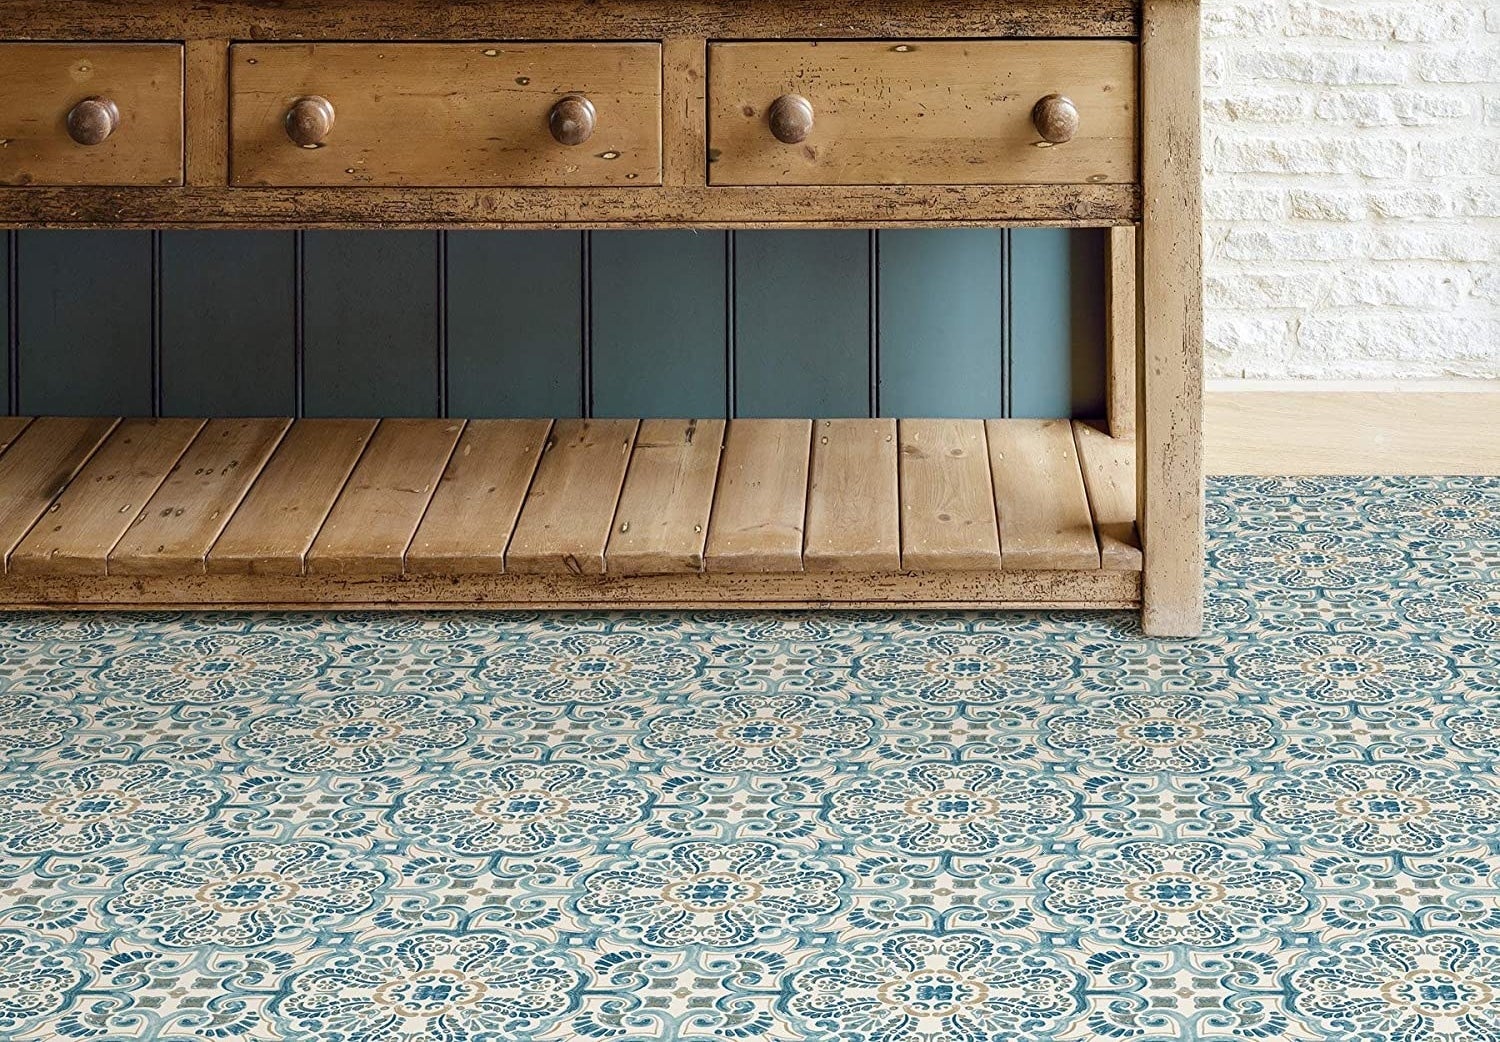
x=309 y=121
x=1056 y=119
x=92 y=120
x=791 y=119
x=572 y=120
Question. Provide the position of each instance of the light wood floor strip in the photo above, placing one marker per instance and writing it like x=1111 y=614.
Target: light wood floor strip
x=173 y=534
x=278 y=520
x=661 y=522
x=10 y=429
x=76 y=534
x=1109 y=475
x=853 y=517
x=566 y=522
x=947 y=500
x=372 y=523
x=473 y=512
x=1040 y=501
x=38 y=465
x=760 y=503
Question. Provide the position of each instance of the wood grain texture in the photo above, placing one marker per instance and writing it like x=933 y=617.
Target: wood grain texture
x=76 y=534
x=681 y=206
x=684 y=112
x=188 y=512
x=1109 y=475
x=376 y=515
x=853 y=514
x=561 y=20
x=661 y=521
x=41 y=82
x=473 y=512
x=760 y=502
x=921 y=112
x=10 y=429
x=1170 y=431
x=206 y=106
x=38 y=465
x=278 y=520
x=977 y=590
x=446 y=114
x=1040 y=501
x=1120 y=332
x=565 y=524
x=947 y=500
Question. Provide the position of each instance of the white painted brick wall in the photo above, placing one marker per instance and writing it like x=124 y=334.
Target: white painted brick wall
x=1352 y=150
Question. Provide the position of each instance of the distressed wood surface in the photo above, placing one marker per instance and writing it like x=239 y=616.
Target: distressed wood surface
x=661 y=521
x=38 y=465
x=471 y=517
x=760 y=502
x=853 y=508
x=1121 y=332
x=76 y=534
x=1170 y=431
x=446 y=114
x=924 y=112
x=566 y=522
x=561 y=19
x=1109 y=475
x=947 y=497
x=1040 y=500
x=206 y=107
x=179 y=524
x=40 y=84
x=10 y=429
x=278 y=520
x=376 y=515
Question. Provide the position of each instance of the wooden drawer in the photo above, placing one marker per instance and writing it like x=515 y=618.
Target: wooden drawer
x=445 y=113
x=131 y=114
x=924 y=112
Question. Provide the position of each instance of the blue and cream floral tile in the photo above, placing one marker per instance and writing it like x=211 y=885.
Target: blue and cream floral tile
x=812 y=827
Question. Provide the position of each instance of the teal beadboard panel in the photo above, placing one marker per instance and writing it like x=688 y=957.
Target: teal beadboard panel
x=941 y=322
x=658 y=323
x=515 y=323
x=228 y=323
x=802 y=323
x=85 y=322
x=1057 y=322
x=370 y=323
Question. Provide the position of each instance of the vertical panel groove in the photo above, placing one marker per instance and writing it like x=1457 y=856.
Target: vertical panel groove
x=1007 y=309
x=874 y=323
x=586 y=406
x=13 y=321
x=156 y=334
x=441 y=289
x=299 y=325
x=730 y=347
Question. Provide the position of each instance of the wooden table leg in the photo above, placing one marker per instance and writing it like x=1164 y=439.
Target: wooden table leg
x=1170 y=439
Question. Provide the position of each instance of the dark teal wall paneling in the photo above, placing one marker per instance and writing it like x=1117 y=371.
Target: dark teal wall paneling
x=975 y=322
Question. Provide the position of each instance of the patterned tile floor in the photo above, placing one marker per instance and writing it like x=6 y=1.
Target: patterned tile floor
x=861 y=828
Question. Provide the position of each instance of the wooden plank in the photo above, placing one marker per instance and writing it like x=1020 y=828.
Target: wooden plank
x=38 y=465
x=565 y=524
x=10 y=429
x=853 y=516
x=1120 y=338
x=474 y=509
x=684 y=115
x=76 y=534
x=889 y=590
x=1040 y=500
x=947 y=502
x=376 y=515
x=206 y=103
x=921 y=112
x=661 y=522
x=173 y=533
x=278 y=520
x=1170 y=427
x=1109 y=475
x=760 y=502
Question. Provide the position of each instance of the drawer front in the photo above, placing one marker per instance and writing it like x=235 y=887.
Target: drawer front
x=475 y=114
x=924 y=112
x=90 y=114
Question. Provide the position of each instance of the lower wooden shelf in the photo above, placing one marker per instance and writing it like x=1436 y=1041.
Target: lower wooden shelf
x=566 y=513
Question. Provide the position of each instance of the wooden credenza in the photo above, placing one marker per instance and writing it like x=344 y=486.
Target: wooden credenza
x=600 y=114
